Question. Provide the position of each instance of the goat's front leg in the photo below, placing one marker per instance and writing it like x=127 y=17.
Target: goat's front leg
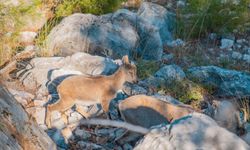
x=82 y=112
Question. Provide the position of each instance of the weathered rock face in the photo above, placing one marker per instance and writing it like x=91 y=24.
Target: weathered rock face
x=196 y=131
x=17 y=130
x=158 y=17
x=227 y=82
x=44 y=70
x=171 y=73
x=165 y=76
x=123 y=32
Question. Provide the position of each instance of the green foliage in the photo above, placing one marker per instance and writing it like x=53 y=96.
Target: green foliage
x=96 y=7
x=146 y=68
x=186 y=91
x=200 y=17
x=11 y=24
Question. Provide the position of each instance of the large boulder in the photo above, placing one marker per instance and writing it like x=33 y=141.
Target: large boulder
x=158 y=17
x=123 y=32
x=92 y=34
x=165 y=76
x=18 y=130
x=45 y=70
x=171 y=73
x=227 y=82
x=195 y=131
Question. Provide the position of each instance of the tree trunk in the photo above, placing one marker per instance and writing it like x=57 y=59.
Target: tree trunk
x=17 y=129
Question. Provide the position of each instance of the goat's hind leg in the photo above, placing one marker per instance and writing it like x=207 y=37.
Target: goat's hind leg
x=105 y=106
x=60 y=106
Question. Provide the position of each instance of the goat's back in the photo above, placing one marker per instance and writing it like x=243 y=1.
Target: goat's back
x=83 y=87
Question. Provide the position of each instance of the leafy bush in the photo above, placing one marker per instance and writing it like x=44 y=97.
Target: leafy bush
x=200 y=17
x=97 y=7
x=186 y=91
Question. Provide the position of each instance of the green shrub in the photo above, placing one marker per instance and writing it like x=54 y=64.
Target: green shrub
x=43 y=33
x=200 y=17
x=97 y=7
x=186 y=91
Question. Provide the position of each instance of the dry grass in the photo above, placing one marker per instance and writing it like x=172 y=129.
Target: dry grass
x=198 y=53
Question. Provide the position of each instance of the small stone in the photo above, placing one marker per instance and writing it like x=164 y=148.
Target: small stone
x=133 y=89
x=103 y=132
x=38 y=113
x=167 y=57
x=248 y=50
x=226 y=43
x=39 y=103
x=236 y=55
x=223 y=56
x=241 y=41
x=127 y=147
x=82 y=134
x=211 y=50
x=21 y=96
x=21 y=100
x=88 y=145
x=181 y=4
x=30 y=48
x=55 y=115
x=74 y=117
x=212 y=36
x=246 y=58
x=119 y=132
x=27 y=37
x=59 y=124
x=238 y=46
x=176 y=43
x=171 y=73
x=43 y=126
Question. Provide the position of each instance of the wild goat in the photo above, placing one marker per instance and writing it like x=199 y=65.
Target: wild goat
x=148 y=111
x=91 y=89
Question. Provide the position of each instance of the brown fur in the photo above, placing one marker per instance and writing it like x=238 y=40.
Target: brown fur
x=92 y=89
x=131 y=113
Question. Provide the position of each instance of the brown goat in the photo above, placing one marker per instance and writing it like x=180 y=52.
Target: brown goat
x=148 y=111
x=91 y=89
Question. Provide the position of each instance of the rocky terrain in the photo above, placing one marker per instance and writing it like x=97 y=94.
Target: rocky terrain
x=85 y=44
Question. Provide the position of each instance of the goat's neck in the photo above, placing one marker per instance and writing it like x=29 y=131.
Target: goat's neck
x=118 y=79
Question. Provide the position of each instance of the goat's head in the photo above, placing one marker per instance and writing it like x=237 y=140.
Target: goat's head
x=130 y=70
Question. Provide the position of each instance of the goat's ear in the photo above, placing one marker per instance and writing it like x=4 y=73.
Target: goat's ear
x=125 y=59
